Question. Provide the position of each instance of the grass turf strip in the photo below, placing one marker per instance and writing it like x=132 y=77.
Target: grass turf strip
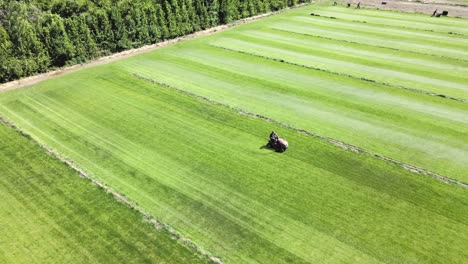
x=51 y=215
x=383 y=119
x=380 y=118
x=201 y=168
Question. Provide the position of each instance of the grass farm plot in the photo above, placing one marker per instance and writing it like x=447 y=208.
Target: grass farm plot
x=374 y=96
x=48 y=214
x=202 y=168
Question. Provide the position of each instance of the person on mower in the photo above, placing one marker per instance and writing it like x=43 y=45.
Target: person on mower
x=277 y=143
x=273 y=138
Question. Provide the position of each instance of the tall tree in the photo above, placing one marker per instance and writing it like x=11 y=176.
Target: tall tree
x=198 y=8
x=80 y=36
x=31 y=55
x=98 y=23
x=52 y=33
x=5 y=55
x=215 y=13
x=154 y=30
x=171 y=20
x=162 y=22
x=119 y=29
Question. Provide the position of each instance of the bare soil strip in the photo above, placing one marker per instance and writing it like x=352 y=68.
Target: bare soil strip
x=344 y=75
x=132 y=52
x=333 y=141
x=157 y=224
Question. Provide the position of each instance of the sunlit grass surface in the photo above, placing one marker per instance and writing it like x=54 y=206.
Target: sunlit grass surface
x=201 y=168
x=48 y=214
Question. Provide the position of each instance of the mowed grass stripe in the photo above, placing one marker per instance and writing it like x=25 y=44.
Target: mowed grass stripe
x=368 y=38
x=205 y=198
x=208 y=193
x=446 y=24
x=404 y=35
x=49 y=214
x=398 y=59
x=287 y=78
x=359 y=68
x=308 y=133
x=331 y=106
x=154 y=186
x=429 y=24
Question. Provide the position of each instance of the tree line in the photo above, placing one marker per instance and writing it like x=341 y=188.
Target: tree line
x=37 y=35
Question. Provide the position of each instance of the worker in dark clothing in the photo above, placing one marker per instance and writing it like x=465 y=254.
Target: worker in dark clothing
x=434 y=13
x=358 y=5
x=273 y=137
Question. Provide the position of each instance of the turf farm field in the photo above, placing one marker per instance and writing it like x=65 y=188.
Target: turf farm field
x=181 y=132
x=50 y=215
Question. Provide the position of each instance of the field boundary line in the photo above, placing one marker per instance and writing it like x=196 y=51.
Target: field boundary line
x=30 y=80
x=333 y=141
x=343 y=74
x=369 y=45
x=119 y=197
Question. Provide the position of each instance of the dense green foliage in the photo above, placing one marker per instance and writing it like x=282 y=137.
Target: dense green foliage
x=37 y=35
x=48 y=214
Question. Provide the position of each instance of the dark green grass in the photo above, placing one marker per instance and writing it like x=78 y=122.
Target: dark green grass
x=202 y=168
x=48 y=214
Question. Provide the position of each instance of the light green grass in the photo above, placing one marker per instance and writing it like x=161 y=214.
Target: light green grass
x=48 y=214
x=238 y=67
x=201 y=168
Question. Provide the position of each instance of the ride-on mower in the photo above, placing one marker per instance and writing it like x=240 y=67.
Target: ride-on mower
x=277 y=143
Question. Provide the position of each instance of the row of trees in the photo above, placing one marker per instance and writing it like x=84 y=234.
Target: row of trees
x=36 y=35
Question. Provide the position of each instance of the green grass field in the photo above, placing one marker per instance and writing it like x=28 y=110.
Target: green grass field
x=201 y=167
x=48 y=214
x=265 y=67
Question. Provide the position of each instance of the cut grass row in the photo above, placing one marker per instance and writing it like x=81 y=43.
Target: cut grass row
x=398 y=20
x=48 y=214
x=358 y=66
x=390 y=18
x=201 y=168
x=386 y=120
x=238 y=67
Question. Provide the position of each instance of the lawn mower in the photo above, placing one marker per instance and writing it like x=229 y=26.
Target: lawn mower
x=277 y=143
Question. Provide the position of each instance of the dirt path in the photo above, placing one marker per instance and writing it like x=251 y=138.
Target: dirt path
x=128 y=53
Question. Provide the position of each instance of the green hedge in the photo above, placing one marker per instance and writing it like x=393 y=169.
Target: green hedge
x=38 y=35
